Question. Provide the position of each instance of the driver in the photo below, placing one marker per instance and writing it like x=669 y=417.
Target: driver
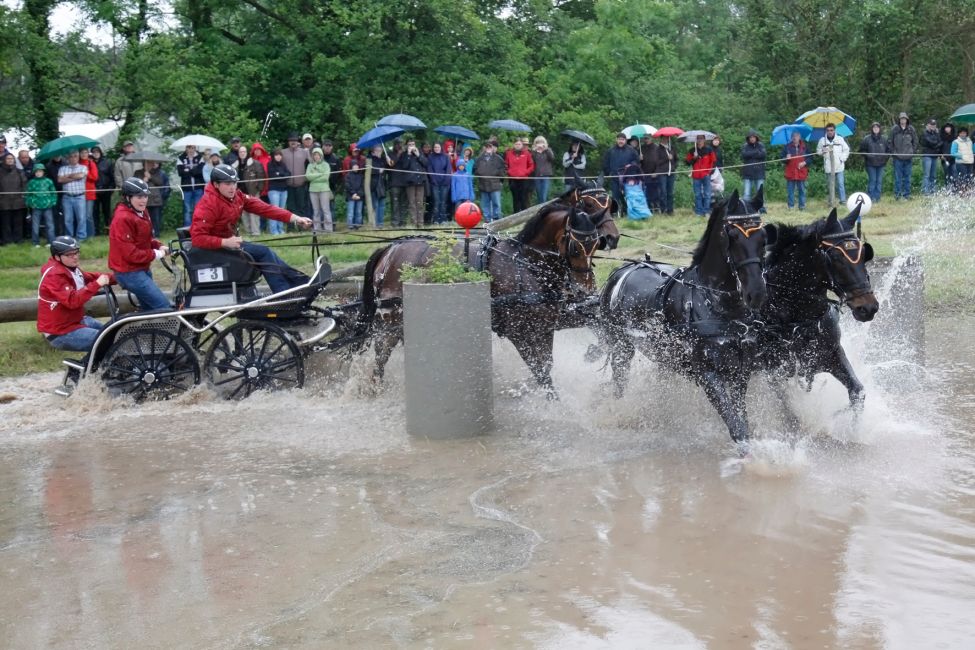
x=131 y=248
x=61 y=296
x=215 y=226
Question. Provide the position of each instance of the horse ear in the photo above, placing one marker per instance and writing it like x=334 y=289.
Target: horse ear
x=600 y=181
x=850 y=220
x=831 y=221
x=733 y=200
x=771 y=234
x=614 y=206
x=758 y=201
x=867 y=252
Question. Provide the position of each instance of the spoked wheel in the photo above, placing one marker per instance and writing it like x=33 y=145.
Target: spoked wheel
x=150 y=364
x=250 y=356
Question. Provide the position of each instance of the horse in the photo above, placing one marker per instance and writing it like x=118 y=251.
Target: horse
x=533 y=276
x=799 y=331
x=696 y=320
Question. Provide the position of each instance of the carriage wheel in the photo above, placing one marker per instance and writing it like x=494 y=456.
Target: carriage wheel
x=150 y=364
x=250 y=356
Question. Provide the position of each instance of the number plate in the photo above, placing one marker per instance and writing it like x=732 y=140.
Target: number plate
x=212 y=274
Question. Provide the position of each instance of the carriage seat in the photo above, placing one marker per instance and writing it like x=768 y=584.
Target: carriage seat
x=219 y=277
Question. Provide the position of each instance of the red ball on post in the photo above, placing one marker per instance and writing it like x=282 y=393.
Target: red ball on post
x=467 y=215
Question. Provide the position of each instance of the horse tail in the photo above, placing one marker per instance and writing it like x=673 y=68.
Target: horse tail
x=367 y=310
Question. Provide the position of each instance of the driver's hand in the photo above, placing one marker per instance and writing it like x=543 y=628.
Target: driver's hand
x=165 y=250
x=302 y=222
x=232 y=243
x=103 y=280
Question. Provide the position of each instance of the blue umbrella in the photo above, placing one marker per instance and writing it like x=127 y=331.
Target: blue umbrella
x=402 y=120
x=457 y=132
x=510 y=125
x=378 y=135
x=783 y=133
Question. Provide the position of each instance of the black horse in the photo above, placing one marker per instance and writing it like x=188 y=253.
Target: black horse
x=799 y=332
x=696 y=320
x=533 y=276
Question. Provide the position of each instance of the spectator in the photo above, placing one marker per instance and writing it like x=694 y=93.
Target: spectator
x=412 y=165
x=796 y=170
x=260 y=155
x=426 y=149
x=701 y=160
x=320 y=191
x=153 y=175
x=308 y=143
x=377 y=183
x=12 y=205
x=931 y=152
x=947 y=160
x=667 y=173
x=25 y=163
x=72 y=176
x=397 y=185
x=3 y=146
x=489 y=170
x=253 y=177
x=650 y=158
x=213 y=160
x=903 y=144
x=215 y=221
x=961 y=149
x=335 y=180
x=51 y=168
x=438 y=165
x=718 y=153
x=753 y=158
x=834 y=150
x=103 y=189
x=614 y=161
x=61 y=296
x=461 y=184
x=189 y=166
x=355 y=192
x=277 y=190
x=296 y=160
x=90 y=194
x=41 y=198
x=544 y=167
x=125 y=168
x=574 y=163
x=132 y=247
x=876 y=150
x=232 y=156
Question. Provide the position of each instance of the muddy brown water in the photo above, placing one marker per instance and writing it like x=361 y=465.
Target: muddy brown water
x=311 y=520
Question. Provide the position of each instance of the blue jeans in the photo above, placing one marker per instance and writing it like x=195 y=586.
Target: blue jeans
x=190 y=199
x=35 y=224
x=796 y=187
x=79 y=340
x=929 y=177
x=379 y=205
x=875 y=181
x=277 y=198
x=702 y=196
x=752 y=184
x=140 y=284
x=491 y=205
x=667 y=192
x=542 y=186
x=840 y=186
x=75 y=216
x=440 y=193
x=353 y=212
x=902 y=178
x=276 y=271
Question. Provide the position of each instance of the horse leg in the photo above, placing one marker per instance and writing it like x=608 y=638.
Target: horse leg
x=777 y=384
x=536 y=351
x=386 y=339
x=621 y=351
x=841 y=368
x=727 y=396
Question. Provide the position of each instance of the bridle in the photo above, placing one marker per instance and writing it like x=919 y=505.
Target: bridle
x=747 y=225
x=579 y=242
x=845 y=243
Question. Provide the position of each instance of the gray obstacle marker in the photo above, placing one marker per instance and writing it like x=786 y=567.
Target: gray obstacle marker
x=447 y=348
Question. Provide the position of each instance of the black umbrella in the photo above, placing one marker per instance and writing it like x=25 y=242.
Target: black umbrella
x=581 y=136
x=147 y=156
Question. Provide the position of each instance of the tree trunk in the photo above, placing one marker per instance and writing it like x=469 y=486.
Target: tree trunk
x=43 y=79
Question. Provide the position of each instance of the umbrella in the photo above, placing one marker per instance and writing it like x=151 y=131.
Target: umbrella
x=61 y=146
x=964 y=114
x=581 y=136
x=820 y=116
x=402 y=120
x=783 y=132
x=509 y=125
x=691 y=136
x=668 y=132
x=457 y=132
x=639 y=130
x=199 y=141
x=378 y=135
x=146 y=156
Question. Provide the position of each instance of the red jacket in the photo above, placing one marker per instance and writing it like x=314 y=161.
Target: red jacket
x=60 y=303
x=793 y=156
x=90 y=194
x=704 y=165
x=130 y=243
x=216 y=217
x=260 y=154
x=519 y=165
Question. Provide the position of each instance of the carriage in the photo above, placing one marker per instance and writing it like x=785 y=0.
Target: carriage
x=224 y=331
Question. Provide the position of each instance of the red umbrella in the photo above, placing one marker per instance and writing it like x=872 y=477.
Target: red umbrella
x=668 y=132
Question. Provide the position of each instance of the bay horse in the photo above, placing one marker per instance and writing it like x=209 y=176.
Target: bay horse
x=696 y=320
x=533 y=275
x=799 y=333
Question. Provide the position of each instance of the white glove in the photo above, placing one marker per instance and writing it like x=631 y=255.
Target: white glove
x=159 y=253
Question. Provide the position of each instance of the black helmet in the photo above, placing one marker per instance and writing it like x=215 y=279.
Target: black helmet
x=135 y=186
x=64 y=244
x=224 y=174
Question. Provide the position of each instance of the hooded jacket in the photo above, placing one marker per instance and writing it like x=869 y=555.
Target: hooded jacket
x=520 y=164
x=92 y=179
x=930 y=142
x=60 y=303
x=947 y=137
x=318 y=173
x=876 y=147
x=216 y=216
x=903 y=141
x=753 y=156
x=130 y=243
x=12 y=186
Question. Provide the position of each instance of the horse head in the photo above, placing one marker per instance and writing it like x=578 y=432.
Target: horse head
x=845 y=258
x=577 y=244
x=744 y=239
x=592 y=199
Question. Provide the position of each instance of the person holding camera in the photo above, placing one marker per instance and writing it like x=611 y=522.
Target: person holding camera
x=412 y=165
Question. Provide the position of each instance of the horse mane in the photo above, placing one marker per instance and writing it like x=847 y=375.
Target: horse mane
x=702 y=246
x=536 y=224
x=790 y=237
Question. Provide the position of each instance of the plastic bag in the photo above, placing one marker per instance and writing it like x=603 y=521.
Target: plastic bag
x=636 y=202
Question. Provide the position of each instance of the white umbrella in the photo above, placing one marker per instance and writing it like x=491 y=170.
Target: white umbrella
x=201 y=142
